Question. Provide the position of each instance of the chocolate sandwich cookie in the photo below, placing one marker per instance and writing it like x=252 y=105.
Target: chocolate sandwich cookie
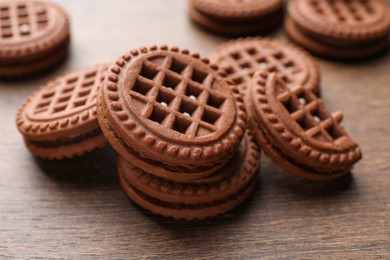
x=34 y=36
x=341 y=29
x=243 y=57
x=59 y=120
x=170 y=113
x=297 y=132
x=200 y=198
x=234 y=17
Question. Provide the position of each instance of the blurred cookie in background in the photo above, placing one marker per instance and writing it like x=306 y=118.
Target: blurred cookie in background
x=236 y=18
x=34 y=36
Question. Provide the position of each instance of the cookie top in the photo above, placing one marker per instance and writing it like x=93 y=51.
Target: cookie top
x=172 y=106
x=236 y=9
x=240 y=170
x=342 y=19
x=30 y=27
x=63 y=108
x=297 y=123
x=243 y=57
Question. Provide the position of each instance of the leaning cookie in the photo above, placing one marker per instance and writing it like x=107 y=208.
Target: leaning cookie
x=297 y=132
x=34 y=36
x=200 y=198
x=59 y=120
x=171 y=113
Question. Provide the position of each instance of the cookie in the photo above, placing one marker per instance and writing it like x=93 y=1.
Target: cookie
x=346 y=30
x=34 y=36
x=197 y=199
x=243 y=57
x=171 y=113
x=239 y=29
x=236 y=18
x=297 y=132
x=59 y=120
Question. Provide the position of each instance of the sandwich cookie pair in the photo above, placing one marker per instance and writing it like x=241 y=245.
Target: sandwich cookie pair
x=60 y=119
x=297 y=132
x=34 y=36
x=177 y=124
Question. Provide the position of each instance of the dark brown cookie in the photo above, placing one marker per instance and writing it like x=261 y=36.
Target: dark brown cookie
x=59 y=120
x=342 y=29
x=297 y=132
x=170 y=113
x=200 y=198
x=34 y=36
x=236 y=18
x=243 y=57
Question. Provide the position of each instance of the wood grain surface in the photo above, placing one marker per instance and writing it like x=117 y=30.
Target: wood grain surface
x=76 y=208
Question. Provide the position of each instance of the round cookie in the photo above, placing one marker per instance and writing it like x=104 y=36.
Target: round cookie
x=170 y=113
x=197 y=199
x=339 y=29
x=34 y=36
x=297 y=132
x=59 y=120
x=234 y=17
x=243 y=57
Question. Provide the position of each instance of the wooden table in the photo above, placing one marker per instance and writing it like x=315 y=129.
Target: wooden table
x=76 y=208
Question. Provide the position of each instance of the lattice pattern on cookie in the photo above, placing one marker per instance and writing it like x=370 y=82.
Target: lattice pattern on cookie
x=70 y=93
x=21 y=20
x=179 y=97
x=245 y=62
x=346 y=11
x=310 y=114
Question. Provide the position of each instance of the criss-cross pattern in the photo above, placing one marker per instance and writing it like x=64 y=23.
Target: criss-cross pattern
x=244 y=63
x=348 y=11
x=70 y=92
x=310 y=114
x=178 y=96
x=18 y=21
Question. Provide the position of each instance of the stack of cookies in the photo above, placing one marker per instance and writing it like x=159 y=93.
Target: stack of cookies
x=179 y=123
x=180 y=129
x=34 y=36
x=235 y=17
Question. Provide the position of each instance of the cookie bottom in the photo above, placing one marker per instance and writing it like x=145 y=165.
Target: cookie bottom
x=237 y=174
x=34 y=67
x=333 y=52
x=67 y=151
x=236 y=29
x=183 y=211
x=200 y=198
